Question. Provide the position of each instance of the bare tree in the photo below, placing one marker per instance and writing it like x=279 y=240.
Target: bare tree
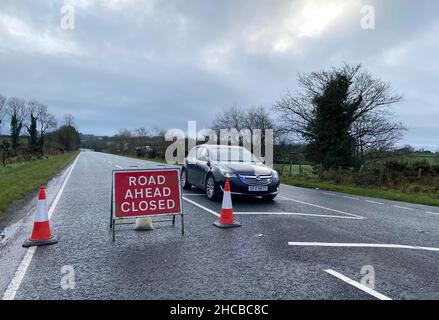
x=2 y=109
x=142 y=132
x=46 y=121
x=124 y=140
x=372 y=124
x=69 y=120
x=256 y=117
x=250 y=124
x=156 y=132
x=17 y=106
x=375 y=132
x=234 y=117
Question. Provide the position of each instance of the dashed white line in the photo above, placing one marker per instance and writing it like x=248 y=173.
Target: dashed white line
x=298 y=214
x=361 y=245
x=117 y=166
x=374 y=202
x=404 y=208
x=431 y=212
x=322 y=207
x=202 y=207
x=13 y=287
x=352 y=198
x=275 y=212
x=357 y=285
x=330 y=194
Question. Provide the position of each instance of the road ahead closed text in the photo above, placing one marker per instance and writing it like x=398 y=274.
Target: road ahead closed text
x=146 y=192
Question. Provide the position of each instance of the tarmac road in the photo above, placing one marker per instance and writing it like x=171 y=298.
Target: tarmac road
x=306 y=244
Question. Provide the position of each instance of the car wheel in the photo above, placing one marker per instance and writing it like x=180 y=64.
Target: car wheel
x=212 y=189
x=270 y=197
x=183 y=179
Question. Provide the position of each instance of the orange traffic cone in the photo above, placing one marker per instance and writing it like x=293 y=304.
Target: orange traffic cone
x=226 y=219
x=41 y=234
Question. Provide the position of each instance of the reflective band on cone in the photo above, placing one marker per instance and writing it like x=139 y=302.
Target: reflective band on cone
x=226 y=219
x=41 y=234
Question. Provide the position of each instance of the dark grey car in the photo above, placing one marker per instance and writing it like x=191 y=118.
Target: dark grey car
x=208 y=166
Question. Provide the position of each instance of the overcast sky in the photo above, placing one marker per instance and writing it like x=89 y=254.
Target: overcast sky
x=131 y=63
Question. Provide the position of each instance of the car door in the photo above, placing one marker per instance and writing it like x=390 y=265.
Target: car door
x=204 y=167
x=191 y=166
x=202 y=159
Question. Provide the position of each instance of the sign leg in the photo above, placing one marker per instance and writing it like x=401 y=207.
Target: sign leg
x=114 y=230
x=111 y=211
x=173 y=220
x=182 y=224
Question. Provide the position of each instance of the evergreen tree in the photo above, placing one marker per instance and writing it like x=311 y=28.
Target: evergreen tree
x=329 y=137
x=33 y=132
x=16 y=126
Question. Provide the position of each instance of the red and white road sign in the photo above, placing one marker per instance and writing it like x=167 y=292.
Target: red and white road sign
x=146 y=192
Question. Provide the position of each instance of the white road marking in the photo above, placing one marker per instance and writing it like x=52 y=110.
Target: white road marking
x=117 y=166
x=352 y=198
x=374 y=202
x=361 y=245
x=357 y=285
x=322 y=207
x=330 y=194
x=435 y=213
x=272 y=213
x=202 y=207
x=297 y=214
x=13 y=287
x=404 y=208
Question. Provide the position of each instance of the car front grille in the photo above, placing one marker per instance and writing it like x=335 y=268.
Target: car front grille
x=255 y=180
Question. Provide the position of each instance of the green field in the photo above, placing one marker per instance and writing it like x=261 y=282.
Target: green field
x=16 y=180
x=429 y=199
x=287 y=170
x=426 y=195
x=431 y=158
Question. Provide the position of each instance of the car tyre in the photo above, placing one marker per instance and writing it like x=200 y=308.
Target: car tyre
x=184 y=184
x=212 y=188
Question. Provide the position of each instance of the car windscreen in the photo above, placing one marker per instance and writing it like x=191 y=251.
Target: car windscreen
x=228 y=154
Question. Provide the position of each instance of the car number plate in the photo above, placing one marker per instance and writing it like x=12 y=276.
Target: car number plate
x=258 y=188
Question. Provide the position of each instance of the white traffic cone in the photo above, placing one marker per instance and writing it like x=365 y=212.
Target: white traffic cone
x=41 y=234
x=226 y=219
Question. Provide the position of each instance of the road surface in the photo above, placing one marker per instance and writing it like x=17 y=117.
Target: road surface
x=307 y=244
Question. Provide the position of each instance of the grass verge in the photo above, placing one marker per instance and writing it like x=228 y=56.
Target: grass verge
x=390 y=194
x=16 y=180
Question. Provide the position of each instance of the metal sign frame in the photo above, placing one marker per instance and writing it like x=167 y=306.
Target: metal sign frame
x=114 y=219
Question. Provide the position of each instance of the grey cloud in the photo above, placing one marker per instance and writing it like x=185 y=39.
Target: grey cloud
x=162 y=63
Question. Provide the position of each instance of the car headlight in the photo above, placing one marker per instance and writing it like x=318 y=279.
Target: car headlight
x=229 y=175
x=275 y=175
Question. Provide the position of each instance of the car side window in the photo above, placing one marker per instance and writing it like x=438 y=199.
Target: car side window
x=192 y=153
x=202 y=154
